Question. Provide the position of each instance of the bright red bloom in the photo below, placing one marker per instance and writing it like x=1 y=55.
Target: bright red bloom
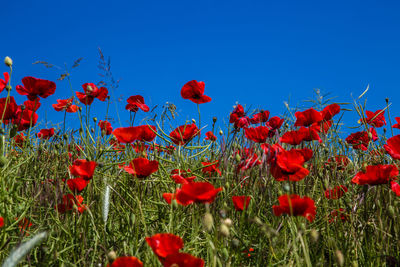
x=182 y=260
x=397 y=125
x=376 y=174
x=135 y=102
x=91 y=92
x=3 y=83
x=76 y=185
x=164 y=244
x=260 y=117
x=20 y=139
x=307 y=117
x=1 y=221
x=142 y=167
x=32 y=105
x=194 y=91
x=45 y=133
x=275 y=123
x=241 y=202
x=126 y=261
x=184 y=133
x=198 y=192
x=24 y=119
x=130 y=134
x=258 y=134
x=329 y=111
x=210 y=136
x=336 y=193
x=168 y=197
x=69 y=202
x=34 y=87
x=395 y=188
x=105 y=127
x=65 y=104
x=10 y=109
x=83 y=168
x=182 y=176
x=211 y=167
x=296 y=206
x=360 y=140
x=377 y=122
x=248 y=159
x=288 y=165
x=393 y=147
x=298 y=136
x=236 y=114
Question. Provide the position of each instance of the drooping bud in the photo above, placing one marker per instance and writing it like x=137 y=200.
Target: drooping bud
x=228 y=222
x=339 y=257
x=214 y=119
x=224 y=230
x=8 y=61
x=112 y=256
x=208 y=221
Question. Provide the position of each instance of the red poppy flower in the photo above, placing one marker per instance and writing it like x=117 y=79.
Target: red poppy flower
x=182 y=176
x=91 y=92
x=65 y=104
x=298 y=136
x=210 y=136
x=376 y=174
x=126 y=261
x=397 y=125
x=211 y=167
x=288 y=165
x=260 y=117
x=20 y=139
x=194 y=91
x=307 y=117
x=69 y=202
x=34 y=87
x=329 y=111
x=296 y=206
x=360 y=140
x=24 y=119
x=258 y=134
x=241 y=202
x=393 y=147
x=184 y=133
x=395 y=188
x=339 y=214
x=198 y=192
x=77 y=185
x=10 y=109
x=324 y=126
x=135 y=102
x=45 y=133
x=105 y=127
x=164 y=244
x=275 y=123
x=336 y=193
x=237 y=113
x=3 y=83
x=340 y=161
x=24 y=224
x=182 y=259
x=248 y=159
x=1 y=221
x=378 y=121
x=141 y=167
x=130 y=134
x=168 y=197
x=83 y=168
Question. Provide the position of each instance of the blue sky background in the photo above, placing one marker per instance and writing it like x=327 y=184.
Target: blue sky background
x=256 y=53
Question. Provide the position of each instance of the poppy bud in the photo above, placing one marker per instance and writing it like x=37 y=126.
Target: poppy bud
x=91 y=130
x=314 y=235
x=286 y=187
x=8 y=61
x=221 y=132
x=95 y=119
x=369 y=135
x=22 y=107
x=65 y=136
x=224 y=230
x=387 y=100
x=111 y=256
x=391 y=211
x=208 y=221
x=238 y=157
x=258 y=221
x=214 y=119
x=194 y=121
x=3 y=161
x=80 y=108
x=228 y=222
x=384 y=130
x=339 y=257
x=235 y=242
x=8 y=88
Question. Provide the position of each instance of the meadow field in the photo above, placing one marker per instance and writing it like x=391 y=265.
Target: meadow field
x=293 y=189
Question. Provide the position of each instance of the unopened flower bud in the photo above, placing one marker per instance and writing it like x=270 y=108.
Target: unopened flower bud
x=238 y=157
x=208 y=221
x=22 y=107
x=95 y=119
x=194 y=121
x=214 y=119
x=228 y=222
x=314 y=235
x=221 y=132
x=111 y=256
x=224 y=230
x=8 y=88
x=8 y=61
x=339 y=257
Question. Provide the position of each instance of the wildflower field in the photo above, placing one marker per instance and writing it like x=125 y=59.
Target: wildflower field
x=298 y=189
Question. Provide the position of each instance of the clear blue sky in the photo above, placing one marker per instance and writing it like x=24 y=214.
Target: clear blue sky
x=254 y=52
